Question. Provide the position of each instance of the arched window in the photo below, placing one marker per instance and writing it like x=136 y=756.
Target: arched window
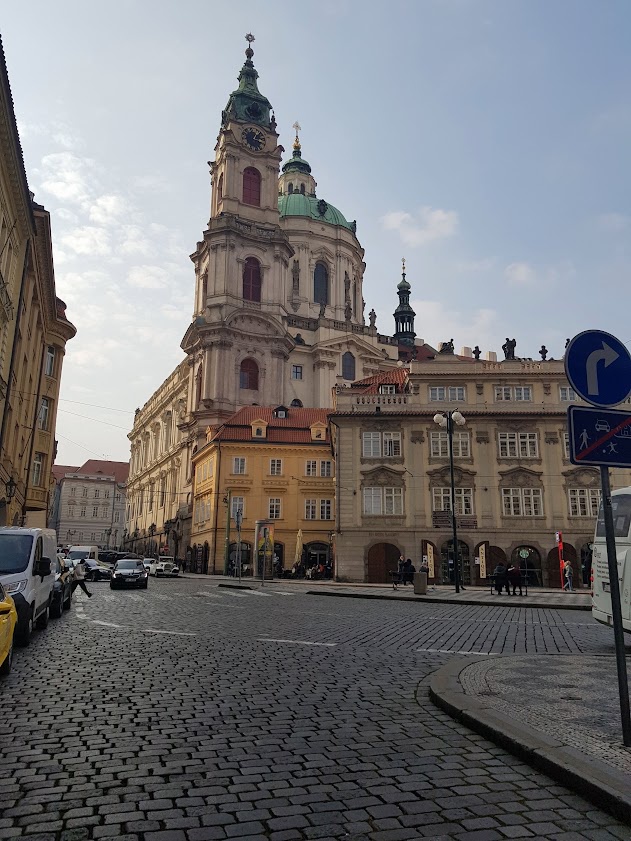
x=321 y=284
x=252 y=186
x=220 y=188
x=290 y=189
x=252 y=280
x=348 y=366
x=302 y=189
x=249 y=375
x=296 y=404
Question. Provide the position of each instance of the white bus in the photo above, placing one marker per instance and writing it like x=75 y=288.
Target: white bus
x=601 y=598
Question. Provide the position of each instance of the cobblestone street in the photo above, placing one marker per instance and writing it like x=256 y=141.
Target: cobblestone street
x=192 y=712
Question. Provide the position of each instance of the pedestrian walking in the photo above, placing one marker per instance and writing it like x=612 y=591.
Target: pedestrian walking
x=499 y=577
x=408 y=571
x=514 y=578
x=401 y=570
x=78 y=578
x=568 y=572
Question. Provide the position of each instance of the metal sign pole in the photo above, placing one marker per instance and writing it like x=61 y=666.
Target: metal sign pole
x=616 y=610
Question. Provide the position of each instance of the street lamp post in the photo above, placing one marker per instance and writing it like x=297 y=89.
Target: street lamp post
x=447 y=422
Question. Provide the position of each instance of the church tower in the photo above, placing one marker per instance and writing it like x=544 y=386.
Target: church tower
x=236 y=344
x=404 y=314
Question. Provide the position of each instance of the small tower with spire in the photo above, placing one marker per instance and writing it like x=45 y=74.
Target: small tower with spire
x=296 y=174
x=404 y=314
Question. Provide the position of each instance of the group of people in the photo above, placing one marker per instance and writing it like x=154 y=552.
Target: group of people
x=508 y=577
x=406 y=570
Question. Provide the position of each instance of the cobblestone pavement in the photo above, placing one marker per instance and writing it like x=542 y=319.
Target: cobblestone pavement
x=190 y=712
x=582 y=690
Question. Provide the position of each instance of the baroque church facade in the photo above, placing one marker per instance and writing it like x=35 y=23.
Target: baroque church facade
x=278 y=306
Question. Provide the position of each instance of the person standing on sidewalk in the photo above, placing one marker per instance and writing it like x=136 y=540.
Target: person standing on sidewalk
x=78 y=579
x=568 y=572
x=514 y=578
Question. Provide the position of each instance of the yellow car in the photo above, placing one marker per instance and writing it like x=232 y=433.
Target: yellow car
x=8 y=619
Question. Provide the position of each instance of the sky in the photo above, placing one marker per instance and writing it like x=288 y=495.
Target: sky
x=486 y=141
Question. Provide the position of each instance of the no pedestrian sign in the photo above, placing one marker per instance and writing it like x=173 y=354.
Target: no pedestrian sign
x=599 y=437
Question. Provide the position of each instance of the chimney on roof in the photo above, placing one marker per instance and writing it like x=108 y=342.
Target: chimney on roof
x=490 y=356
x=466 y=351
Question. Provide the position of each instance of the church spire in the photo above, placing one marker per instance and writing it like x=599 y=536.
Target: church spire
x=247 y=103
x=404 y=314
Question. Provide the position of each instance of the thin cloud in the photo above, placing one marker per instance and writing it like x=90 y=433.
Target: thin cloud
x=148 y=277
x=429 y=224
x=88 y=240
x=108 y=210
x=67 y=177
x=520 y=274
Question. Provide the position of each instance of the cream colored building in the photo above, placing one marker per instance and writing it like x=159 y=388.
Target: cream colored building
x=515 y=486
x=33 y=335
x=159 y=501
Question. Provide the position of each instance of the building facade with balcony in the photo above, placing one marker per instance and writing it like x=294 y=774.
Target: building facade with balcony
x=89 y=506
x=159 y=500
x=515 y=487
x=270 y=464
x=33 y=335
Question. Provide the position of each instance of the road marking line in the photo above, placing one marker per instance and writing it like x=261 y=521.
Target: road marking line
x=107 y=624
x=173 y=633
x=202 y=593
x=236 y=595
x=451 y=651
x=298 y=642
x=257 y=593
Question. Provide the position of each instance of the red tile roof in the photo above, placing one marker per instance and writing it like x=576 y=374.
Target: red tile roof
x=118 y=469
x=394 y=376
x=293 y=429
x=60 y=470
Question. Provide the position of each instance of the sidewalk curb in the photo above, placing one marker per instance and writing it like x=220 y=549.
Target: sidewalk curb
x=236 y=586
x=587 y=776
x=449 y=600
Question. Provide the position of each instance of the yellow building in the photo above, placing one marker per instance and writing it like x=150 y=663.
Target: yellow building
x=271 y=464
x=33 y=335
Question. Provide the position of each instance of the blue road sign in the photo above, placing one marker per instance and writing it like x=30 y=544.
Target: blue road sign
x=598 y=367
x=599 y=437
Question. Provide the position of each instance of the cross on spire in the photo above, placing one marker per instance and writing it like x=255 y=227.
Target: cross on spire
x=403 y=264
x=297 y=127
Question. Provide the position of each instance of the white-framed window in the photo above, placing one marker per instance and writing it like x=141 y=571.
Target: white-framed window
x=117 y=516
x=383 y=501
x=95 y=511
x=437 y=393
x=439 y=444
x=325 y=468
x=503 y=392
x=97 y=493
x=237 y=503
x=387 y=388
x=311 y=467
x=567 y=394
x=584 y=502
x=371 y=444
x=441 y=500
x=117 y=497
x=106 y=494
x=518 y=444
x=523 y=393
x=38 y=470
x=274 y=508
x=391 y=444
x=44 y=414
x=310 y=509
x=522 y=502
x=84 y=492
x=325 y=509
x=238 y=465
x=276 y=467
x=73 y=491
x=105 y=513
x=50 y=361
x=566 y=444
x=296 y=372
x=457 y=394
x=82 y=511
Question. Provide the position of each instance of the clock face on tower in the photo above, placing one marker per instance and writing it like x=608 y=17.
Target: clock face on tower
x=253 y=139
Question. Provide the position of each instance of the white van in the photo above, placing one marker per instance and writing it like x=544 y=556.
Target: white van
x=26 y=574
x=601 y=595
x=80 y=553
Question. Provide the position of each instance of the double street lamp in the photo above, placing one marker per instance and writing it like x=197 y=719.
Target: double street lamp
x=447 y=421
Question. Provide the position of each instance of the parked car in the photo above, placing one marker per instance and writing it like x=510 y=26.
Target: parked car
x=96 y=571
x=8 y=621
x=147 y=563
x=109 y=557
x=26 y=555
x=78 y=552
x=164 y=566
x=129 y=573
x=62 y=588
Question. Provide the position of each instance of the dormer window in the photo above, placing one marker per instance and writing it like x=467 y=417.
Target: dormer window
x=280 y=412
x=387 y=389
x=318 y=432
x=290 y=188
x=259 y=432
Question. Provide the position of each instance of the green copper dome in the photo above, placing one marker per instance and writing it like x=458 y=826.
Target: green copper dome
x=247 y=103
x=297 y=204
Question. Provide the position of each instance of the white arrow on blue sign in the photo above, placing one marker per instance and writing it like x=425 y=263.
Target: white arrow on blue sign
x=598 y=367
